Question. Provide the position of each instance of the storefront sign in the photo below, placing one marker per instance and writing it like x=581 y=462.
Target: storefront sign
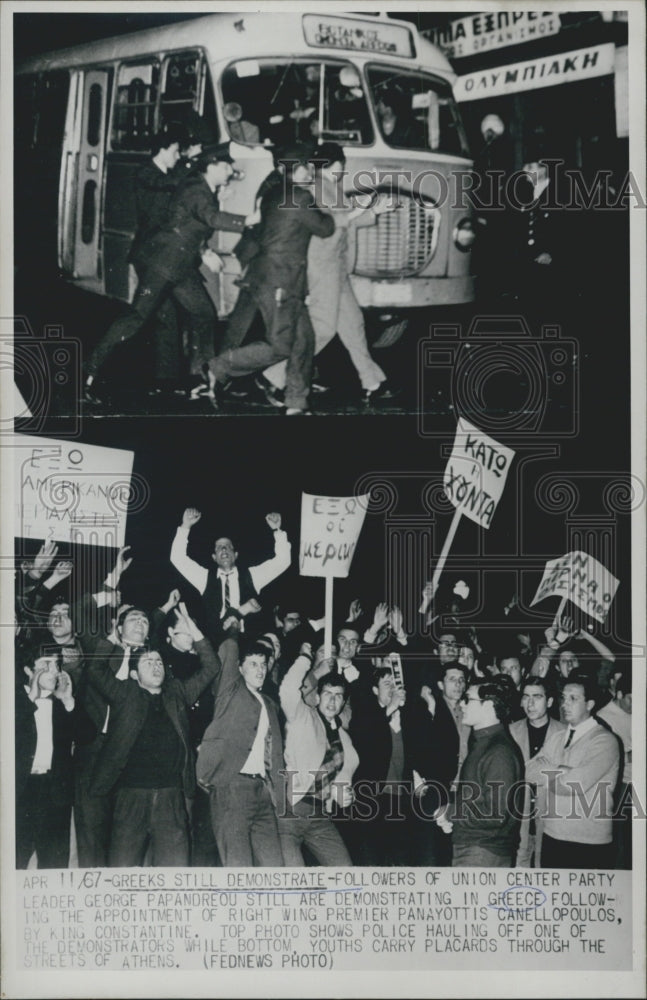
x=550 y=71
x=469 y=35
x=357 y=36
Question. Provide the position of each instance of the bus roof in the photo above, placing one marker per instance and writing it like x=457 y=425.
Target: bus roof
x=242 y=35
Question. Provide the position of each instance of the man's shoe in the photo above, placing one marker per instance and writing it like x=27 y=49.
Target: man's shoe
x=91 y=397
x=274 y=396
x=383 y=391
x=198 y=388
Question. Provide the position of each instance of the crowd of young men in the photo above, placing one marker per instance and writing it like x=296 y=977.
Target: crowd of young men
x=229 y=735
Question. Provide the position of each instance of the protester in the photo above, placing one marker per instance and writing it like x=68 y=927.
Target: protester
x=366 y=752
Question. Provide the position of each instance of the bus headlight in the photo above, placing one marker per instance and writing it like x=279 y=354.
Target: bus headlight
x=464 y=235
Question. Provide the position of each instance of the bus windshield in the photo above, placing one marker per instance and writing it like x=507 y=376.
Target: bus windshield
x=416 y=111
x=282 y=101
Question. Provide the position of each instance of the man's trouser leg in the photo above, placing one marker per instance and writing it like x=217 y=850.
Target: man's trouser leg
x=169 y=828
x=42 y=824
x=280 y=323
x=165 y=335
x=235 y=809
x=204 y=852
x=291 y=832
x=130 y=827
x=320 y=836
x=352 y=333
x=299 y=370
x=276 y=374
x=150 y=292
x=192 y=296
x=239 y=322
x=92 y=813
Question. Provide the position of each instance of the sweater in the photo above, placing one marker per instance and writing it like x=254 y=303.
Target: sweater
x=481 y=813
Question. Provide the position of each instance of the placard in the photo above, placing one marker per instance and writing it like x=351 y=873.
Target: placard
x=71 y=492
x=476 y=473
x=581 y=579
x=330 y=527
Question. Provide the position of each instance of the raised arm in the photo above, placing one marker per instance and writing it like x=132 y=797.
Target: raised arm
x=290 y=690
x=312 y=218
x=190 y=570
x=210 y=665
x=101 y=677
x=271 y=568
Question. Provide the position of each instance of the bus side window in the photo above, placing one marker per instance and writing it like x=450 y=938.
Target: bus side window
x=187 y=95
x=134 y=121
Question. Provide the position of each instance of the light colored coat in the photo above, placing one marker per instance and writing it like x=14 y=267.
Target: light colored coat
x=529 y=844
x=577 y=804
x=305 y=740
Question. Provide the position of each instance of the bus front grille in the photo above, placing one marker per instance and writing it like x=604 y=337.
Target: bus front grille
x=400 y=243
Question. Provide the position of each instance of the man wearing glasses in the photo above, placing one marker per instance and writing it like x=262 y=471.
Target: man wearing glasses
x=482 y=821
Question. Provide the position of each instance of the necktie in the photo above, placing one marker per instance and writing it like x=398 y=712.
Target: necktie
x=226 y=600
x=571 y=734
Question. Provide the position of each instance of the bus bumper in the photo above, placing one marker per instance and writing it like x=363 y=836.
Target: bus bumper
x=409 y=293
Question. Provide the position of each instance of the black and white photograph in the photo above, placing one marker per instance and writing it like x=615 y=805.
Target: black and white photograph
x=323 y=535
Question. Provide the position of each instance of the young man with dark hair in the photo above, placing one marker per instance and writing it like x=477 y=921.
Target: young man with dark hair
x=485 y=832
x=172 y=152
x=227 y=585
x=510 y=666
x=320 y=761
x=147 y=757
x=576 y=774
x=376 y=729
x=530 y=734
x=240 y=763
x=93 y=812
x=45 y=729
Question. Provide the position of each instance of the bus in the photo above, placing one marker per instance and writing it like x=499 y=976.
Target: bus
x=85 y=116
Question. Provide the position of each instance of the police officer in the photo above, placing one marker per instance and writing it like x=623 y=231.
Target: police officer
x=172 y=258
x=172 y=153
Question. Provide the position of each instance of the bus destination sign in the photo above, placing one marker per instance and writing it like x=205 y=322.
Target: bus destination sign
x=359 y=36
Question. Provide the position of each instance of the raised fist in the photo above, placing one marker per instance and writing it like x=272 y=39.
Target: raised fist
x=190 y=517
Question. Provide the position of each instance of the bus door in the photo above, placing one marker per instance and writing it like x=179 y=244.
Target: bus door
x=87 y=196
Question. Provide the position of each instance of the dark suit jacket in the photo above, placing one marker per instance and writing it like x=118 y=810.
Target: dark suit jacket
x=370 y=732
x=432 y=743
x=94 y=703
x=63 y=729
x=193 y=215
x=153 y=192
x=288 y=220
x=228 y=740
x=128 y=707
